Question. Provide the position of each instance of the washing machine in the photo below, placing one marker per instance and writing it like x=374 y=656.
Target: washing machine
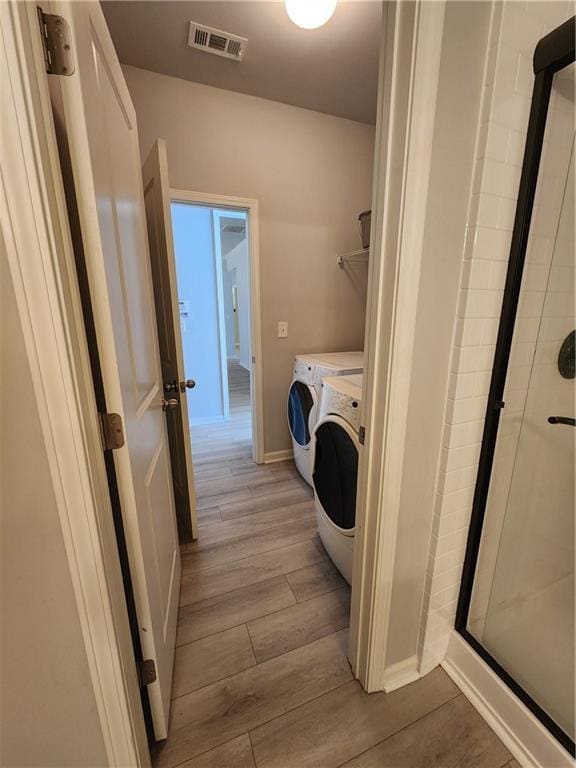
x=334 y=452
x=304 y=397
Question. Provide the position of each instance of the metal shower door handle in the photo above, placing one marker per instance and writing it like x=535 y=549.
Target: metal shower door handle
x=562 y=420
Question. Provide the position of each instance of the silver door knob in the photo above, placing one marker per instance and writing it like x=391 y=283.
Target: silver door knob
x=188 y=384
x=171 y=403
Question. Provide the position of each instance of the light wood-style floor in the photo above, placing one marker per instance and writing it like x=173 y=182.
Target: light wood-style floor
x=261 y=676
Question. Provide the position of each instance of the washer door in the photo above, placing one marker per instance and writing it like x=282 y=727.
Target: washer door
x=301 y=406
x=335 y=475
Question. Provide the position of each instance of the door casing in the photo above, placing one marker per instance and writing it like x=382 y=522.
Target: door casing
x=256 y=390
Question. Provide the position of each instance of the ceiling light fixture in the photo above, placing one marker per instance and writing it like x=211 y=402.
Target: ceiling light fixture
x=310 y=14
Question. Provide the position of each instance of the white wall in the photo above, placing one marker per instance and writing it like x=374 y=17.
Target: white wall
x=196 y=276
x=237 y=260
x=515 y=31
x=47 y=706
x=312 y=175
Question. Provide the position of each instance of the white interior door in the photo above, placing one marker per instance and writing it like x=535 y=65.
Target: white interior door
x=158 y=216
x=102 y=134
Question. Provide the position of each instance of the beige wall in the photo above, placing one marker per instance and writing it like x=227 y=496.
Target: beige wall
x=48 y=713
x=458 y=103
x=312 y=176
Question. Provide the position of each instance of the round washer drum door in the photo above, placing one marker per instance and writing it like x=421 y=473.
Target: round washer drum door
x=300 y=403
x=336 y=471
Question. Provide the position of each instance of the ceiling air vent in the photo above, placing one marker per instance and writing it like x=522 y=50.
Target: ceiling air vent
x=216 y=41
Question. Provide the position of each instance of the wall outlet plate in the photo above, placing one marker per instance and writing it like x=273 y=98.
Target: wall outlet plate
x=282 y=329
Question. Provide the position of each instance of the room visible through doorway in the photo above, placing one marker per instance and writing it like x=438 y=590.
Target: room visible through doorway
x=212 y=252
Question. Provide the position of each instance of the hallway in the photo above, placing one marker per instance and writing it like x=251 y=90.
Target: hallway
x=261 y=676
x=233 y=437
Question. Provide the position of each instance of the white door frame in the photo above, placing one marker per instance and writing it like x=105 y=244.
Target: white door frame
x=256 y=391
x=219 y=272
x=409 y=73
x=35 y=226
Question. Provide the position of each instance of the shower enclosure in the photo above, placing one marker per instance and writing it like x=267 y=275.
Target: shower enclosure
x=516 y=603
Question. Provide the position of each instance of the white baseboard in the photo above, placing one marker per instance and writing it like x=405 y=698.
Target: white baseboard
x=400 y=674
x=425 y=668
x=274 y=456
x=524 y=735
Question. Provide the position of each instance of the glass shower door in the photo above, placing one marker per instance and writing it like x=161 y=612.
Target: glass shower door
x=520 y=610
x=522 y=607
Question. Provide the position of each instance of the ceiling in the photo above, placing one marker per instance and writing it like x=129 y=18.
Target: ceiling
x=333 y=69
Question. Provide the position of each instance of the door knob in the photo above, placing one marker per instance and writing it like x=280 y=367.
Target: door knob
x=174 y=386
x=171 y=403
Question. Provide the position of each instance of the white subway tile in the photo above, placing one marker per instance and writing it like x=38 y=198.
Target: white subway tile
x=512 y=110
x=530 y=304
x=469 y=332
x=520 y=30
x=466 y=433
x=497 y=276
x=482 y=304
x=449 y=481
x=470 y=409
x=496 y=140
x=447 y=579
x=473 y=359
x=444 y=596
x=524 y=75
x=488 y=211
x=448 y=561
x=515 y=147
x=499 y=179
x=506 y=213
x=492 y=244
x=454 y=502
x=458 y=458
x=562 y=278
x=476 y=274
x=535 y=277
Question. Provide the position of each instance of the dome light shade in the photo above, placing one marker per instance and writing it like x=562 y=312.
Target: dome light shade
x=310 y=14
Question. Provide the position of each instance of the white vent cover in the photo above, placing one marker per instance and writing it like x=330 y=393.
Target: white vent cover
x=216 y=41
x=234 y=229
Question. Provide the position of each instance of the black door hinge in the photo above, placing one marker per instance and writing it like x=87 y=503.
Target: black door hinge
x=56 y=42
x=146 y=672
x=361 y=435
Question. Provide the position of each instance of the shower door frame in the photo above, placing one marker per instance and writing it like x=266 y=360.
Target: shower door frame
x=553 y=53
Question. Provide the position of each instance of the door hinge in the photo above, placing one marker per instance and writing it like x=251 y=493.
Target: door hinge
x=57 y=43
x=146 y=672
x=111 y=430
x=361 y=435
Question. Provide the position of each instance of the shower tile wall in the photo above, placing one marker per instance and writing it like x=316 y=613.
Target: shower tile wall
x=516 y=28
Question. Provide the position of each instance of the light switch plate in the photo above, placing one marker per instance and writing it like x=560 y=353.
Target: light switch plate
x=282 y=329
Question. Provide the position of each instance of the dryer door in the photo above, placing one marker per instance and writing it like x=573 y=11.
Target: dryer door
x=302 y=404
x=335 y=476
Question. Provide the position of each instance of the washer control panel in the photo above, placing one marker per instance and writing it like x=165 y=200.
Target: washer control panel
x=305 y=372
x=341 y=403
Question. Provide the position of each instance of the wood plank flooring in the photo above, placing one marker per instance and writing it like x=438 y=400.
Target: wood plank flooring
x=261 y=677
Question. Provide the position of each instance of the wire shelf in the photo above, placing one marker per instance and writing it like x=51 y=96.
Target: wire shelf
x=354 y=257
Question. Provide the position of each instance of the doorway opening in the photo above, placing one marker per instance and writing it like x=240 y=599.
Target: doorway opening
x=214 y=259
